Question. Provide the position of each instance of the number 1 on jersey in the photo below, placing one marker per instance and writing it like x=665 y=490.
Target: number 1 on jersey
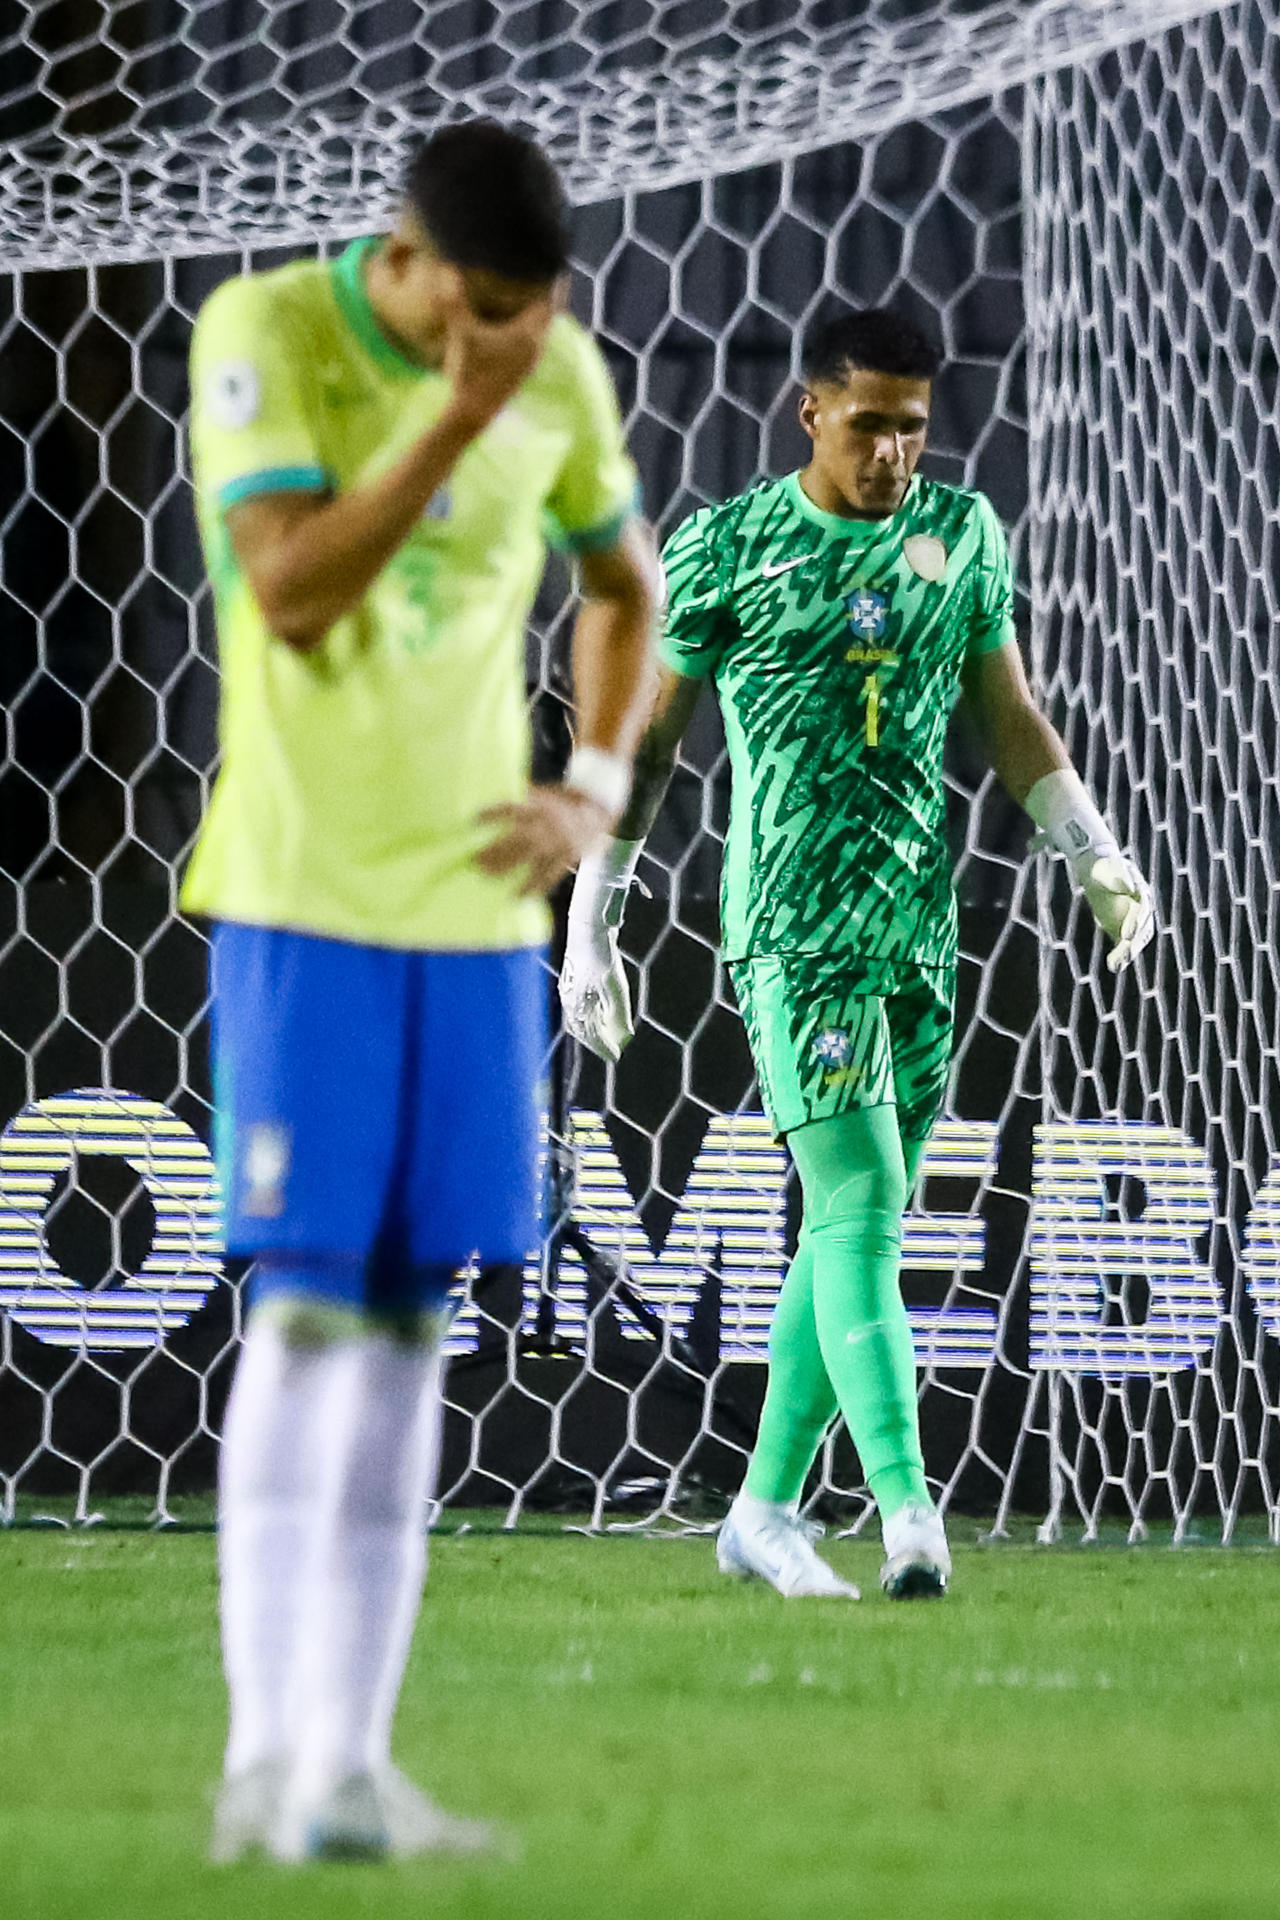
x=872 y=691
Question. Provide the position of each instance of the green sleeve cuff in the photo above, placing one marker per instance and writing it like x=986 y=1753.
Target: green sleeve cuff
x=594 y=539
x=680 y=662
x=273 y=480
x=1005 y=635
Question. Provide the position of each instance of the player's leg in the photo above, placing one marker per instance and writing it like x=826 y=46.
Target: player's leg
x=823 y=1045
x=799 y=1401
x=379 y=1541
x=471 y=1187
x=359 y=1610
x=921 y=1018
x=852 y=1171
x=304 y=1163
x=344 y=1799
x=763 y=1533
x=466 y=1182
x=281 y=1406
x=873 y=1079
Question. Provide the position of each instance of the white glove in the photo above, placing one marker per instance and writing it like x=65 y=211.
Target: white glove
x=1123 y=904
x=1121 y=901
x=593 y=981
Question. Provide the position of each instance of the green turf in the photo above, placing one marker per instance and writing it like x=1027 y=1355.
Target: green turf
x=1071 y=1734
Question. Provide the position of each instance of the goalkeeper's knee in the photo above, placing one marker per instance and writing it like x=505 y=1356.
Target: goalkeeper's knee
x=851 y=1169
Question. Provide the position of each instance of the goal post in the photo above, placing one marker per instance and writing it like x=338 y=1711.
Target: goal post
x=1080 y=197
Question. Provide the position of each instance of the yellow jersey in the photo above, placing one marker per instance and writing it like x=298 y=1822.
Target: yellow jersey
x=352 y=776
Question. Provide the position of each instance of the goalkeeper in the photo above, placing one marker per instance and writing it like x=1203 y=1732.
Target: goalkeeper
x=839 y=612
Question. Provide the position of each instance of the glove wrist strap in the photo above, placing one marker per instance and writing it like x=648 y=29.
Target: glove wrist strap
x=604 y=878
x=610 y=865
x=1063 y=809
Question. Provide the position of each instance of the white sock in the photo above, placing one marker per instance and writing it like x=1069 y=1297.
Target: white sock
x=269 y=1506
x=363 y=1604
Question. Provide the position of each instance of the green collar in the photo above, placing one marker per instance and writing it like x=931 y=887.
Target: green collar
x=838 y=523
x=347 y=273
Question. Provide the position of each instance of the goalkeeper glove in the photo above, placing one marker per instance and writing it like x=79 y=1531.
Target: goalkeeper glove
x=594 y=993
x=1120 y=899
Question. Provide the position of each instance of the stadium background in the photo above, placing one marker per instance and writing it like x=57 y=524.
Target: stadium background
x=109 y=682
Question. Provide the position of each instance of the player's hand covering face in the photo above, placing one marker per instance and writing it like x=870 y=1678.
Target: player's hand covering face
x=546 y=835
x=1122 y=902
x=488 y=359
x=484 y=329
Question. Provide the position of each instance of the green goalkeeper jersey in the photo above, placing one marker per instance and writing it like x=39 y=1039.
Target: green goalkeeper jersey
x=836 y=648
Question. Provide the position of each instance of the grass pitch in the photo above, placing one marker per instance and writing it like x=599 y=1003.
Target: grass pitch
x=1072 y=1734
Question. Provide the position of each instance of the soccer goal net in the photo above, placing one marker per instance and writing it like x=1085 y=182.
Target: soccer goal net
x=1081 y=198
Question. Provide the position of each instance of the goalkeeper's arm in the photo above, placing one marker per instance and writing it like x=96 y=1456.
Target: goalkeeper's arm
x=1030 y=760
x=593 y=982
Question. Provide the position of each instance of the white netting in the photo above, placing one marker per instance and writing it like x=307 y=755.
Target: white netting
x=135 y=131
x=1096 y=250
x=1155 y=460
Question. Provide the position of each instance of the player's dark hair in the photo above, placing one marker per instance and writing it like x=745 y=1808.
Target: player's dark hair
x=877 y=340
x=489 y=197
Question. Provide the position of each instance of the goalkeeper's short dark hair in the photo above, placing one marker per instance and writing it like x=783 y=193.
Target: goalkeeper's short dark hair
x=489 y=197
x=876 y=340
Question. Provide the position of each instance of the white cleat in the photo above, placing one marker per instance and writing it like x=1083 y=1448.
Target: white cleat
x=416 y=1825
x=345 y=1821
x=772 y=1543
x=917 y=1562
x=246 y=1813
x=377 y=1816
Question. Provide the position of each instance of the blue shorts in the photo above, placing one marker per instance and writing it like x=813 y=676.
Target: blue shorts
x=376 y=1112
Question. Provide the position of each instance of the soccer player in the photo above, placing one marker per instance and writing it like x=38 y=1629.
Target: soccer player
x=839 y=612
x=378 y=443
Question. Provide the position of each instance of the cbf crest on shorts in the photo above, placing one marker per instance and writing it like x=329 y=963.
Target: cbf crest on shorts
x=833 y=1047
x=268 y=1151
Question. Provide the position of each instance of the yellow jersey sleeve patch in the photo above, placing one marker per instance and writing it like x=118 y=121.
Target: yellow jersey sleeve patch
x=251 y=427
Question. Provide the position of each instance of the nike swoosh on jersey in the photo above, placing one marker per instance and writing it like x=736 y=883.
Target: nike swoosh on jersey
x=771 y=572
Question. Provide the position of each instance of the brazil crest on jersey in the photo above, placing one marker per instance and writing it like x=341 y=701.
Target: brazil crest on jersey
x=352 y=776
x=836 y=647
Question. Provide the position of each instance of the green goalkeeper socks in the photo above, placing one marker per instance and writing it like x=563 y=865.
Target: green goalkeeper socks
x=799 y=1400
x=840 y=1334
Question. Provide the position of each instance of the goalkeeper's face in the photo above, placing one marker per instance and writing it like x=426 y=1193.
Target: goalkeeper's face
x=415 y=283
x=868 y=432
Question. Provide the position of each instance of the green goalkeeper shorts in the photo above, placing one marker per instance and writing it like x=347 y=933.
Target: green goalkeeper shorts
x=833 y=1032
